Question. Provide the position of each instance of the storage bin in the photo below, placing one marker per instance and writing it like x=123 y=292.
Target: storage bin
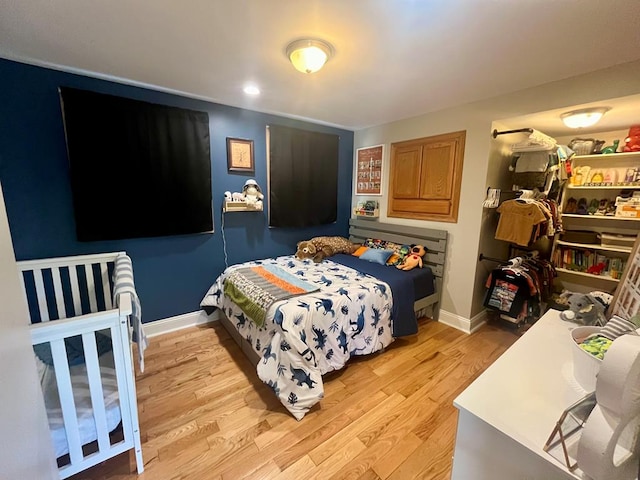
x=580 y=236
x=585 y=365
x=615 y=240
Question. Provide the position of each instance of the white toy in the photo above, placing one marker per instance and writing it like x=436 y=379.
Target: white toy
x=237 y=197
x=227 y=196
x=252 y=194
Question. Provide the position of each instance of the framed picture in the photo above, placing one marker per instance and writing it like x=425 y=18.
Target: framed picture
x=240 y=155
x=369 y=170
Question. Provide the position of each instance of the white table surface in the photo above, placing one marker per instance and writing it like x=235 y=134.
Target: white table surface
x=524 y=392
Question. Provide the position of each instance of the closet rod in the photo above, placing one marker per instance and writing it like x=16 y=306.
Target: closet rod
x=482 y=257
x=520 y=130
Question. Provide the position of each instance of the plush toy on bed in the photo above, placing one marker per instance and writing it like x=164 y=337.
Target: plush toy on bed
x=413 y=258
x=319 y=248
x=584 y=308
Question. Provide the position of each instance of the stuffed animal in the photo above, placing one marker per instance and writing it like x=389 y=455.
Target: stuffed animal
x=584 y=308
x=414 y=258
x=252 y=194
x=632 y=142
x=319 y=248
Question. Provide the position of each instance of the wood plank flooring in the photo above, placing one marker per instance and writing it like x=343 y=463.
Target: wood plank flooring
x=204 y=414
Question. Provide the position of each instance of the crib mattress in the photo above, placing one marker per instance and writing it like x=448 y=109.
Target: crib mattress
x=82 y=399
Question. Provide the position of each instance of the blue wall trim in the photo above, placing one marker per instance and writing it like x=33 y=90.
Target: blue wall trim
x=172 y=273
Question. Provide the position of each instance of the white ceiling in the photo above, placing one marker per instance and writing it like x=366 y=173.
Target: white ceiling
x=393 y=59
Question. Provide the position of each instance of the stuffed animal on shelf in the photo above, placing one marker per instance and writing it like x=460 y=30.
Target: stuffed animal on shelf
x=584 y=309
x=319 y=248
x=632 y=142
x=252 y=195
x=414 y=258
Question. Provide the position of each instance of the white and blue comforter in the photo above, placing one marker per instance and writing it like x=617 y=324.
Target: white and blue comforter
x=312 y=334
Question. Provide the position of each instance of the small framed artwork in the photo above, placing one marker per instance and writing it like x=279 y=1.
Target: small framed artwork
x=240 y=155
x=369 y=170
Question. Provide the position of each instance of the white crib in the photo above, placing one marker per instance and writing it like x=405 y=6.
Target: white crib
x=87 y=400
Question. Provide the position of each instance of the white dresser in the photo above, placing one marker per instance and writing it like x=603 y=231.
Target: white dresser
x=507 y=414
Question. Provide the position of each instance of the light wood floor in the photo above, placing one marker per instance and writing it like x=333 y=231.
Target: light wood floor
x=204 y=414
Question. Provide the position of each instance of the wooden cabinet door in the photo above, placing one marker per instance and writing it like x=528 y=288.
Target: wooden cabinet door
x=425 y=177
x=406 y=176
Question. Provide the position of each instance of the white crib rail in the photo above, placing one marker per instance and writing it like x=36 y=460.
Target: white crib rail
x=55 y=266
x=55 y=332
x=115 y=320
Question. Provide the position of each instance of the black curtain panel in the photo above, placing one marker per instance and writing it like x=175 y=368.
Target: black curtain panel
x=137 y=169
x=303 y=177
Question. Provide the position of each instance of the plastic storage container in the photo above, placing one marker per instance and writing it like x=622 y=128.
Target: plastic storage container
x=585 y=365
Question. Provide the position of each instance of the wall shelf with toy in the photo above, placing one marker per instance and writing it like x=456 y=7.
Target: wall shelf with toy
x=367 y=209
x=249 y=200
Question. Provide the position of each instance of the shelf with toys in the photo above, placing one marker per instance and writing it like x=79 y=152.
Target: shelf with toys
x=600 y=213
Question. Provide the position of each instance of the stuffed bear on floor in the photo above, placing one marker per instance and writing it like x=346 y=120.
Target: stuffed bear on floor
x=319 y=248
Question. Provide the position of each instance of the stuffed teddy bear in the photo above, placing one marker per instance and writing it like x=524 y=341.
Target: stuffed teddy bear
x=413 y=258
x=252 y=195
x=632 y=142
x=319 y=248
x=584 y=308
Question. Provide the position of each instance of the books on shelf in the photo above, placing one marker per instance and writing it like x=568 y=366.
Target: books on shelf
x=588 y=261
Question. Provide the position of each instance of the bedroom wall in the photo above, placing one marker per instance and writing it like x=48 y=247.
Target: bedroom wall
x=462 y=296
x=172 y=273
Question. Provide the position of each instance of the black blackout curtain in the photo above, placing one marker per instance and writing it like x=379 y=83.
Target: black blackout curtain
x=303 y=177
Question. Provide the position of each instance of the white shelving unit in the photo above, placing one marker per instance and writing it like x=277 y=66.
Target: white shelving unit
x=620 y=162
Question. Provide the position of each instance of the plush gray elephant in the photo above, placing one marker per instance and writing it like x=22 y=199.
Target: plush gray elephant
x=584 y=309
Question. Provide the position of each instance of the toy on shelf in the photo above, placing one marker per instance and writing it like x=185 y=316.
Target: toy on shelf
x=250 y=199
x=632 y=142
x=367 y=208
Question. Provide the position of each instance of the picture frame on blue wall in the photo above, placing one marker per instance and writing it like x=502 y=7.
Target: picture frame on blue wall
x=240 y=157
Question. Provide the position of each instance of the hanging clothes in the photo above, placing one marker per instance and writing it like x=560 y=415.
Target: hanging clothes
x=517 y=288
x=524 y=220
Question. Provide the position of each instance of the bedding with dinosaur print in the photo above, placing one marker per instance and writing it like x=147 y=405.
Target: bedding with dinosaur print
x=310 y=335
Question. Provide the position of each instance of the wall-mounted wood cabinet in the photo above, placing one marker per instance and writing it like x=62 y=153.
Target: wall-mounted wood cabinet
x=425 y=177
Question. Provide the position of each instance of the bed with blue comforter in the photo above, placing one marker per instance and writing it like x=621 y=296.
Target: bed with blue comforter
x=306 y=319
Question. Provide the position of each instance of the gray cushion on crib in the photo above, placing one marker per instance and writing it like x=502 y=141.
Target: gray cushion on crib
x=75 y=352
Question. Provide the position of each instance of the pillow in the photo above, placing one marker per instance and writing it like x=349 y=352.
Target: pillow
x=375 y=243
x=394 y=259
x=377 y=255
x=360 y=251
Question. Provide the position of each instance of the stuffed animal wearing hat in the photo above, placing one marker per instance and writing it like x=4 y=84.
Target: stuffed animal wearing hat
x=413 y=258
x=252 y=195
x=319 y=248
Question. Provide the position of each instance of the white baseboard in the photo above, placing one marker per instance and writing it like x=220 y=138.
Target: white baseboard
x=462 y=323
x=179 y=322
x=191 y=319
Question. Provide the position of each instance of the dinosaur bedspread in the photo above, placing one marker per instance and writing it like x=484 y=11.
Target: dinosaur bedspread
x=312 y=334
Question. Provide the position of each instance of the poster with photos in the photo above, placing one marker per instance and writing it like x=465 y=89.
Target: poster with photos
x=369 y=170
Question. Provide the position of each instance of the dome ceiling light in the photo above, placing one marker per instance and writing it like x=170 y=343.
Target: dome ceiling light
x=309 y=55
x=584 y=117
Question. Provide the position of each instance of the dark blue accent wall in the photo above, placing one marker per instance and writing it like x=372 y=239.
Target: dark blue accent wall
x=172 y=273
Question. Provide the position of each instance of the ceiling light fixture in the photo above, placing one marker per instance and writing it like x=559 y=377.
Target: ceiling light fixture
x=309 y=55
x=251 y=90
x=584 y=117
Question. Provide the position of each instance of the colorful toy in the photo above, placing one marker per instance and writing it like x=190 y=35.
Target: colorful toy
x=413 y=259
x=632 y=142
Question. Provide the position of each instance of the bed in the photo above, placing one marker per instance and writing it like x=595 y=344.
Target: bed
x=327 y=312
x=82 y=309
